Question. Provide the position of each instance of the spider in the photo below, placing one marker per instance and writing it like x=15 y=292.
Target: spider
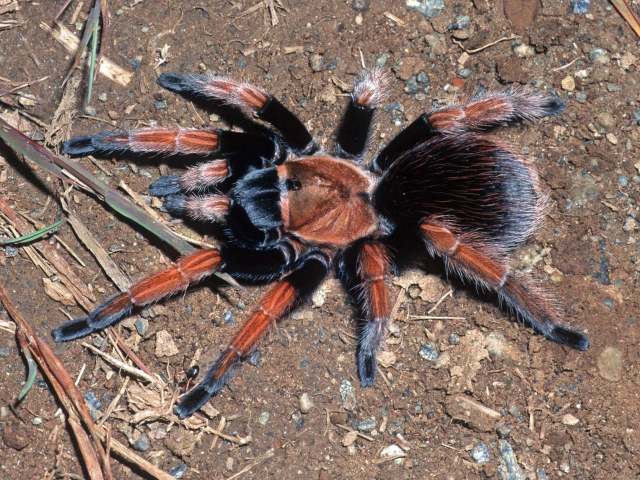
x=291 y=212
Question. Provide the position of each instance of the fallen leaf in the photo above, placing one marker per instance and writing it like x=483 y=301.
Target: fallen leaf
x=58 y=292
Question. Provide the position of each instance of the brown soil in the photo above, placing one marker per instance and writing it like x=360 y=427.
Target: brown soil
x=587 y=249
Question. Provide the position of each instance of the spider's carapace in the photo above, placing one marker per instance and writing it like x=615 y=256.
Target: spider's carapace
x=291 y=212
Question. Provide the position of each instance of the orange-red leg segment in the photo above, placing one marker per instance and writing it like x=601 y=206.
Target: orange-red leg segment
x=278 y=301
x=373 y=267
x=187 y=270
x=529 y=302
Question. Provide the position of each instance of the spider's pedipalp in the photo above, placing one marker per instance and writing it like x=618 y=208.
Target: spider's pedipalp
x=280 y=298
x=368 y=93
x=188 y=270
x=247 y=98
x=166 y=141
x=204 y=208
x=530 y=303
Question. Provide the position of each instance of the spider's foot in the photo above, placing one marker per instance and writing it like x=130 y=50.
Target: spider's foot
x=71 y=330
x=110 y=312
x=165 y=186
x=367 y=367
x=570 y=337
x=175 y=204
x=176 y=82
x=553 y=105
x=79 y=146
x=192 y=401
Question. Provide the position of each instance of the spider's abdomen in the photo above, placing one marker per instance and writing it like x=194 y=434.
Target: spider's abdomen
x=326 y=200
x=470 y=183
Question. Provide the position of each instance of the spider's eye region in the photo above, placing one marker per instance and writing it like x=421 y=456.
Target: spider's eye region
x=292 y=184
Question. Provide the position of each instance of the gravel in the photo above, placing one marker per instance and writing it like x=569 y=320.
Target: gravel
x=480 y=453
x=429 y=352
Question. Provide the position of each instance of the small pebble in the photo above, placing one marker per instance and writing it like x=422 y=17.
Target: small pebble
x=360 y=5
x=636 y=117
x=92 y=401
x=454 y=339
x=581 y=97
x=305 y=403
x=411 y=86
x=542 y=475
x=568 y=419
x=89 y=110
x=102 y=97
x=144 y=29
x=599 y=55
x=36 y=421
x=178 y=471
x=160 y=104
x=429 y=352
x=623 y=181
x=393 y=451
x=480 y=453
x=568 y=83
x=428 y=8
x=564 y=467
x=630 y=224
x=461 y=22
x=605 y=120
x=464 y=72
x=254 y=358
x=509 y=468
x=142 y=325
x=142 y=443
x=381 y=61
x=610 y=362
x=347 y=395
x=612 y=139
x=5 y=352
x=264 y=418
x=580 y=7
x=367 y=425
x=4 y=411
x=10 y=251
x=315 y=62
x=228 y=318
x=523 y=50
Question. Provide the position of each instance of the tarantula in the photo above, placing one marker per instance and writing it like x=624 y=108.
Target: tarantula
x=292 y=212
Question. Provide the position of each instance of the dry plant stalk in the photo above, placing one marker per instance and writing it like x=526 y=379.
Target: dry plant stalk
x=88 y=435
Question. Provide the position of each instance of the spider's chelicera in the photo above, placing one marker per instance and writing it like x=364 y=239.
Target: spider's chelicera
x=291 y=212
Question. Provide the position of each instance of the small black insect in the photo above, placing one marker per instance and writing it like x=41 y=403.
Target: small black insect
x=292 y=212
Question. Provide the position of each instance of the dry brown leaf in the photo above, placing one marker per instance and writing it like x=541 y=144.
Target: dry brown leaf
x=58 y=292
x=386 y=358
x=349 y=438
x=165 y=346
x=465 y=361
x=419 y=285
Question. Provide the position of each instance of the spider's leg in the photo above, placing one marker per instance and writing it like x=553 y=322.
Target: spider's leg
x=372 y=268
x=249 y=99
x=280 y=298
x=479 y=114
x=176 y=141
x=528 y=301
x=188 y=270
x=353 y=133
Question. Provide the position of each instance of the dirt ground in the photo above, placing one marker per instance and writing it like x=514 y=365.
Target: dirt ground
x=541 y=410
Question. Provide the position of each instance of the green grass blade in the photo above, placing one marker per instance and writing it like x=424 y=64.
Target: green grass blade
x=31 y=237
x=31 y=376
